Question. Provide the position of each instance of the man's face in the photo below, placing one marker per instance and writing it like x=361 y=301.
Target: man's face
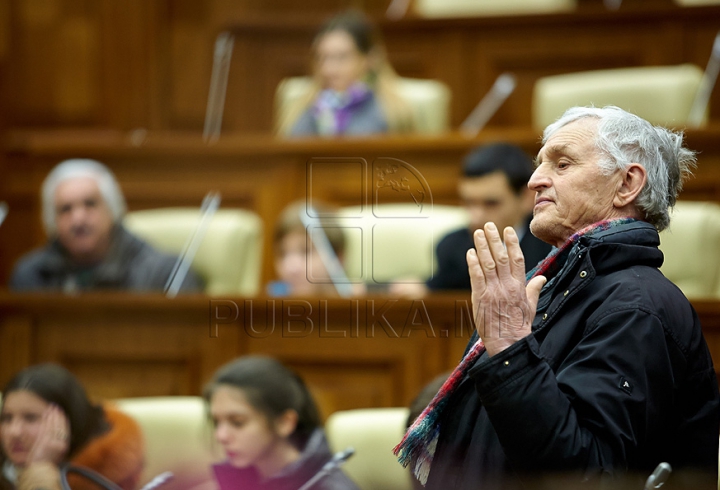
x=84 y=221
x=490 y=198
x=571 y=192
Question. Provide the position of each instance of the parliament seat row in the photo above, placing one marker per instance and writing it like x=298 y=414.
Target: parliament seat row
x=178 y=438
x=663 y=95
x=471 y=8
x=393 y=242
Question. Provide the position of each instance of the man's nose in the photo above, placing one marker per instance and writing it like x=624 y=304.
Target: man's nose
x=539 y=179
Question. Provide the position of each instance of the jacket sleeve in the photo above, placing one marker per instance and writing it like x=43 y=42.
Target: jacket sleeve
x=595 y=410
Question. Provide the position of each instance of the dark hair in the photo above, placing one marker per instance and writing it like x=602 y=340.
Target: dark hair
x=504 y=157
x=57 y=385
x=363 y=32
x=271 y=388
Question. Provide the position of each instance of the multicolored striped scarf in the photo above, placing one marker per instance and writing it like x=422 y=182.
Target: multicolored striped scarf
x=332 y=109
x=418 y=446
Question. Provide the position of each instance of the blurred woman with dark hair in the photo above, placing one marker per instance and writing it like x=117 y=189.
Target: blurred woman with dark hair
x=354 y=89
x=46 y=419
x=268 y=425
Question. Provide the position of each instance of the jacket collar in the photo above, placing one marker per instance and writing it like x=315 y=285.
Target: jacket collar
x=630 y=244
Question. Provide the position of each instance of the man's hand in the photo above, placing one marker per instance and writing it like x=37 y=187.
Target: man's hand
x=503 y=306
x=53 y=439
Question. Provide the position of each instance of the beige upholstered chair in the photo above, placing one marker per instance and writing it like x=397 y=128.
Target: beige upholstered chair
x=428 y=99
x=228 y=259
x=471 y=8
x=373 y=433
x=692 y=249
x=395 y=241
x=694 y=3
x=661 y=94
x=177 y=436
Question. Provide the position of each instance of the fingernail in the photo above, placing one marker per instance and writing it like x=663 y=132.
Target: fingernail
x=491 y=226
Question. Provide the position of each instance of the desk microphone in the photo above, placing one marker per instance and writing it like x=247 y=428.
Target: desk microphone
x=161 y=479
x=210 y=205
x=3 y=211
x=335 y=462
x=658 y=477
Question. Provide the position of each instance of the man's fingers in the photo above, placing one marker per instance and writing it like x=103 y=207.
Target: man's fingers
x=497 y=250
x=477 y=278
x=515 y=255
x=485 y=257
x=533 y=291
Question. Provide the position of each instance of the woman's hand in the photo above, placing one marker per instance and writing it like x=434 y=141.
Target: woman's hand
x=53 y=439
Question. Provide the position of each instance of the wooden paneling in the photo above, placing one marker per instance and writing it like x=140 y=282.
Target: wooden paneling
x=139 y=64
x=366 y=352
x=370 y=352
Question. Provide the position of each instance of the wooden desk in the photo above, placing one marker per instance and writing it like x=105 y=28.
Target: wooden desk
x=368 y=352
x=375 y=352
x=260 y=172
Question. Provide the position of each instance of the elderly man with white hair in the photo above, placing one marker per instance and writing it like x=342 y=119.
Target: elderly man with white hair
x=89 y=249
x=593 y=367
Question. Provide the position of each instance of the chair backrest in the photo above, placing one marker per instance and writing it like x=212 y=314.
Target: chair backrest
x=429 y=100
x=661 y=94
x=692 y=3
x=471 y=8
x=692 y=249
x=177 y=436
x=373 y=433
x=228 y=258
x=393 y=241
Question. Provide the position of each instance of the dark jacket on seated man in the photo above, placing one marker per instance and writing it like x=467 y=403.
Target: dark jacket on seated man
x=452 y=268
x=131 y=264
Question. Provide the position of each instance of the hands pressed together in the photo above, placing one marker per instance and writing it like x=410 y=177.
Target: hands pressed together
x=503 y=305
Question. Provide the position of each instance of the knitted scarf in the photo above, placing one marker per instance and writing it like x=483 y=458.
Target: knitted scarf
x=418 y=446
x=332 y=110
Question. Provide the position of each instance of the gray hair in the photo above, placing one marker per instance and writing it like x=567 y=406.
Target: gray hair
x=72 y=169
x=624 y=138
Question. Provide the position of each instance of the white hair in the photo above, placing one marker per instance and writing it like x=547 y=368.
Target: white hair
x=624 y=138
x=75 y=168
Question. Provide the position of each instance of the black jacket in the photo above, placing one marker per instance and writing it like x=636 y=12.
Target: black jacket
x=314 y=456
x=131 y=264
x=452 y=269
x=615 y=378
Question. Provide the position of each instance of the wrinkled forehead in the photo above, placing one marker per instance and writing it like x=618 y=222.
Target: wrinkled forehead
x=575 y=139
x=77 y=187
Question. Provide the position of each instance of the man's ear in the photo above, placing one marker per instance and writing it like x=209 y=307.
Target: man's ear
x=633 y=181
x=286 y=423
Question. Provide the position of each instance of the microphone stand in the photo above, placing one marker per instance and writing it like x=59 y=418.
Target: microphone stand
x=210 y=204
x=3 y=211
x=335 y=462
x=218 y=86
x=325 y=251
x=502 y=88
x=707 y=83
x=658 y=477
